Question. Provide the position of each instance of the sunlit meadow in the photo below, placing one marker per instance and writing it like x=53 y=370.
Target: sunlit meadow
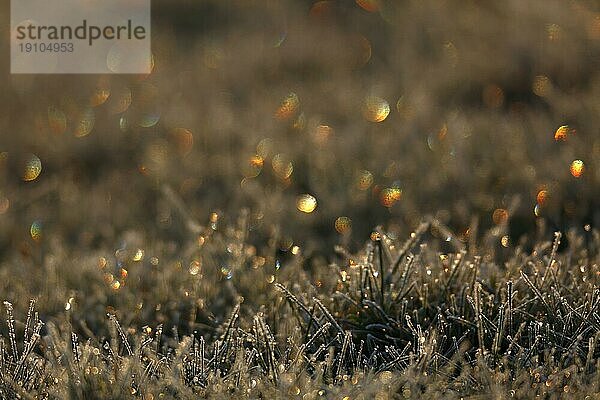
x=333 y=199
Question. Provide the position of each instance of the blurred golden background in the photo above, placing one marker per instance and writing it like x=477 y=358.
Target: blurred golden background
x=323 y=119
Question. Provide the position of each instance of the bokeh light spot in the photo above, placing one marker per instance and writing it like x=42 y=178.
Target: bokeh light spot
x=33 y=168
x=85 y=123
x=343 y=225
x=542 y=86
x=183 y=140
x=389 y=196
x=322 y=134
x=139 y=255
x=282 y=166
x=194 y=268
x=288 y=107
x=364 y=180
x=563 y=132
x=100 y=94
x=36 y=231
x=500 y=216
x=149 y=119
x=376 y=109
x=119 y=100
x=264 y=147
x=577 y=168
x=57 y=121
x=405 y=109
x=541 y=197
x=364 y=50
x=253 y=167
x=369 y=5
x=306 y=203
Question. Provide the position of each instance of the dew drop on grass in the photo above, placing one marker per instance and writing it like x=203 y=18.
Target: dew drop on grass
x=226 y=272
x=385 y=377
x=194 y=267
x=344 y=275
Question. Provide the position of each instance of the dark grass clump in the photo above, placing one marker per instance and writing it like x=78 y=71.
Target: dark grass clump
x=397 y=319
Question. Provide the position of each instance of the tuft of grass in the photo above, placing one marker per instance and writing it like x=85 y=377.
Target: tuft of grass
x=397 y=319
